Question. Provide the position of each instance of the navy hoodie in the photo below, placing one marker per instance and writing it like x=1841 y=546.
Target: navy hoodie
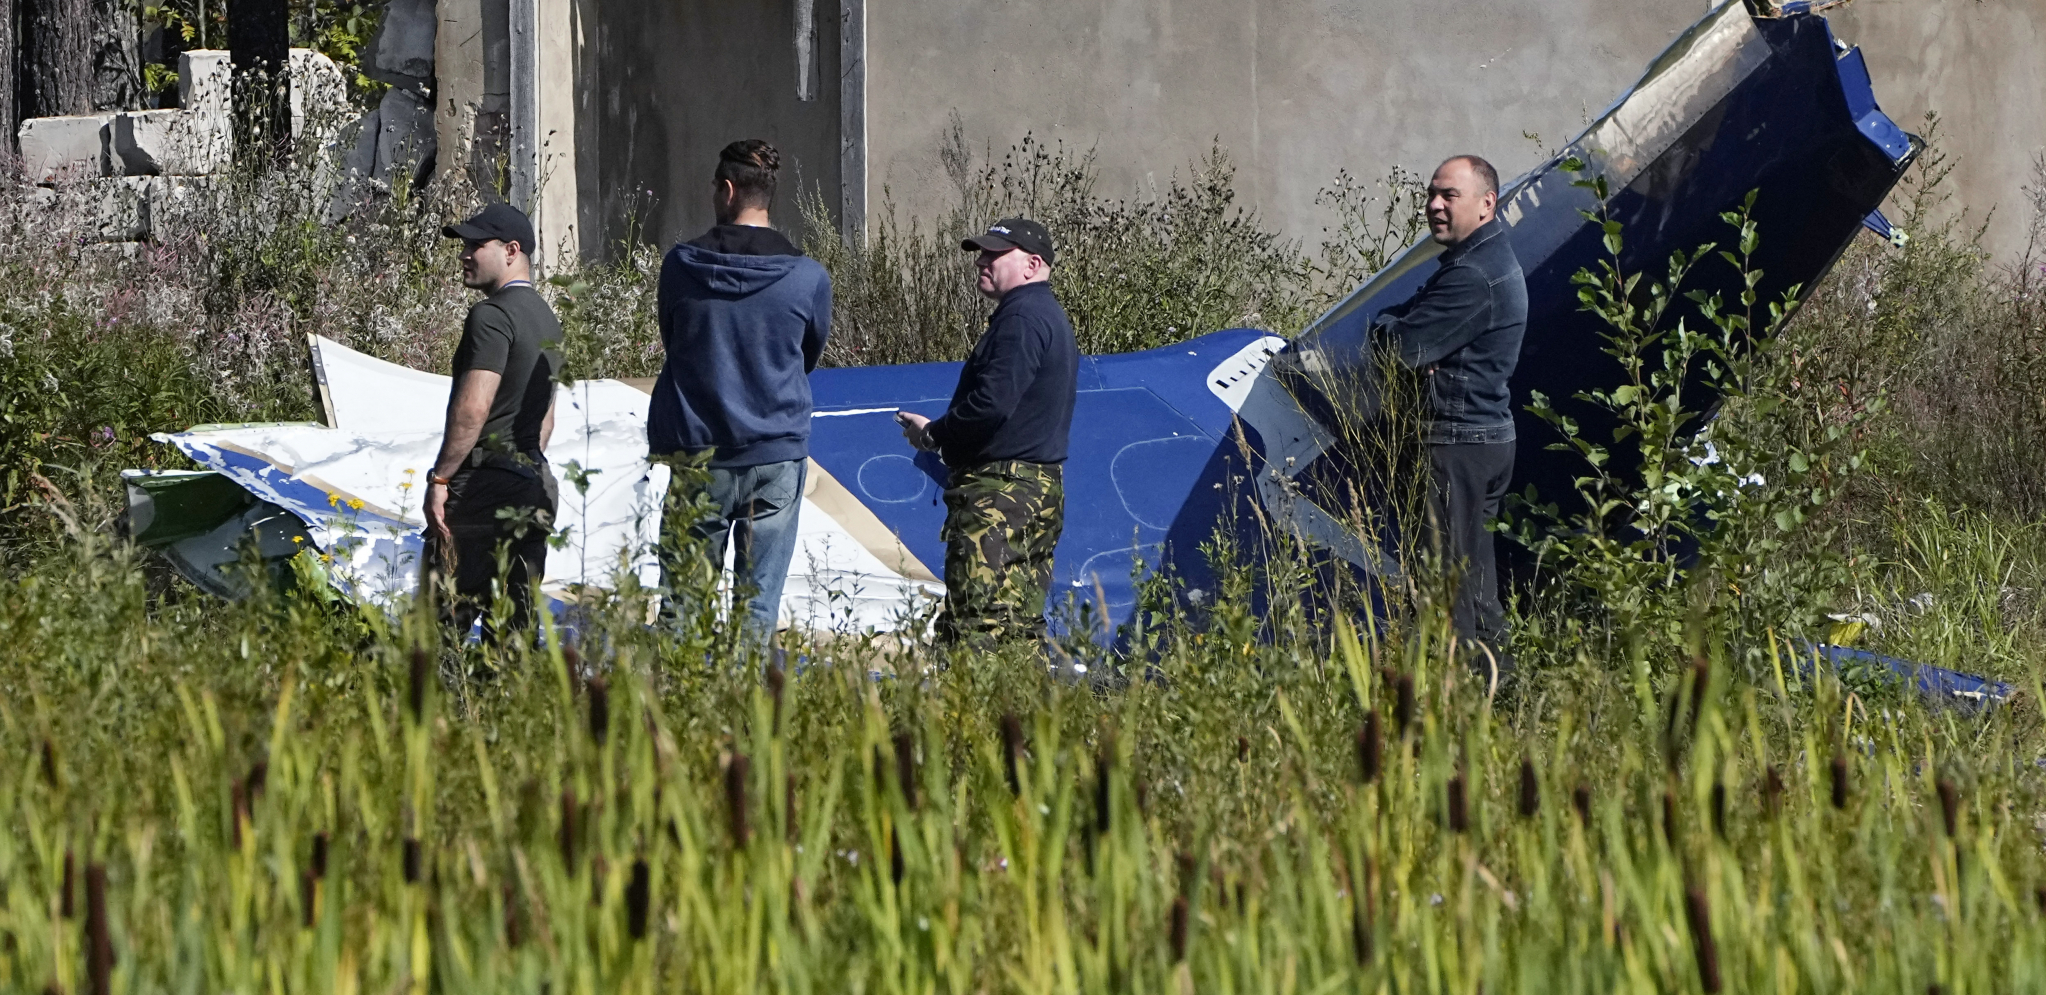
x=743 y=317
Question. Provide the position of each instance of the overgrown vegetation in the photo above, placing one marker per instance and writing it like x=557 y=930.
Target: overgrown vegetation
x=284 y=794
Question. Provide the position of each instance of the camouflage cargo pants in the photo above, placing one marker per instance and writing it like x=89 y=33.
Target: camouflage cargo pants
x=1002 y=522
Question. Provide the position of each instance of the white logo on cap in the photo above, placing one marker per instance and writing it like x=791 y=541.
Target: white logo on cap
x=999 y=228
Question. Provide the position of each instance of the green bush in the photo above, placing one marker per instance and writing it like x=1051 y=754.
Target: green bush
x=1135 y=273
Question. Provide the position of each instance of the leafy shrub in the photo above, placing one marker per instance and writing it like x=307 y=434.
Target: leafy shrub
x=1134 y=273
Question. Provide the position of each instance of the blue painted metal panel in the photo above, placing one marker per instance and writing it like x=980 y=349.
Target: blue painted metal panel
x=1146 y=430
x=1936 y=683
x=1800 y=126
x=1788 y=130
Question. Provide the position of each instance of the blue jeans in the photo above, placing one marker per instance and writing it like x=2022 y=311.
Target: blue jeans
x=754 y=507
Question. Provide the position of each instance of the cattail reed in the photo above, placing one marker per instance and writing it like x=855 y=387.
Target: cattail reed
x=308 y=894
x=2039 y=897
x=598 y=870
x=1178 y=929
x=1012 y=750
x=1949 y=805
x=319 y=856
x=1839 y=780
x=1403 y=703
x=99 y=945
x=777 y=683
x=1459 y=813
x=1772 y=791
x=1243 y=749
x=905 y=768
x=1104 y=766
x=895 y=867
x=1580 y=799
x=600 y=710
x=67 y=906
x=1700 y=916
x=790 y=826
x=420 y=667
x=1719 y=808
x=1669 y=817
x=413 y=858
x=238 y=812
x=565 y=836
x=736 y=773
x=259 y=778
x=636 y=895
x=50 y=764
x=1370 y=748
x=1530 y=790
x=513 y=935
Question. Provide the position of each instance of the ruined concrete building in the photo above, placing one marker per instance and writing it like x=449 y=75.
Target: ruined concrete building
x=608 y=114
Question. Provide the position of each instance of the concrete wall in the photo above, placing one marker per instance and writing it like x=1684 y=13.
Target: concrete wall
x=674 y=81
x=1981 y=64
x=1295 y=90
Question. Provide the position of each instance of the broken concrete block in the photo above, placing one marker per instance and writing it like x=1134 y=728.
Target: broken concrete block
x=402 y=51
x=64 y=148
x=205 y=81
x=319 y=96
x=170 y=142
x=391 y=145
x=405 y=137
x=121 y=207
x=355 y=185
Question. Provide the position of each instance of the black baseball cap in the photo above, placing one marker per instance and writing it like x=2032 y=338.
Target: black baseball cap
x=499 y=221
x=1012 y=233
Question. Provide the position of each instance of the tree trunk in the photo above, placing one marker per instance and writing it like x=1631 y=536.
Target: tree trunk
x=10 y=104
x=56 y=57
x=259 y=42
x=116 y=55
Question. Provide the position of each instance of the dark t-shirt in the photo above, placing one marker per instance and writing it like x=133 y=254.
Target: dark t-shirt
x=513 y=333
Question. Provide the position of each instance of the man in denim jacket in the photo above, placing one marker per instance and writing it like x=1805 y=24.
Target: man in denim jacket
x=1462 y=332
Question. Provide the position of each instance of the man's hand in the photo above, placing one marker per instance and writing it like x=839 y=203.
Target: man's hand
x=916 y=429
x=437 y=511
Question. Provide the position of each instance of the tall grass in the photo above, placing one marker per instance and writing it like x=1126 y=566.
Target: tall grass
x=293 y=795
x=270 y=805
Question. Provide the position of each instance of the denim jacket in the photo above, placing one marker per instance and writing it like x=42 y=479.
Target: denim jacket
x=1462 y=332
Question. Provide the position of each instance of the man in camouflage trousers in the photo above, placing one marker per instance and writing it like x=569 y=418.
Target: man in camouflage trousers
x=1004 y=439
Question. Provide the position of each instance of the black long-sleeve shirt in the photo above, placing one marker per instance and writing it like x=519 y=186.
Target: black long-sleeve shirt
x=1016 y=392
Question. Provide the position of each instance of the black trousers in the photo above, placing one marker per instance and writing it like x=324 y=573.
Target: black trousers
x=503 y=504
x=1470 y=484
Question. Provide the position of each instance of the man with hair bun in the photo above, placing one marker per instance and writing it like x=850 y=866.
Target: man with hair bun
x=743 y=317
x=1461 y=332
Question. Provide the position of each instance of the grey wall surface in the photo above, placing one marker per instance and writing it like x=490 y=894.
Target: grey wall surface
x=671 y=82
x=1981 y=65
x=1296 y=90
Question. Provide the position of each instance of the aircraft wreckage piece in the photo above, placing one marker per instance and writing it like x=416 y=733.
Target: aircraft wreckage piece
x=343 y=502
x=1230 y=430
x=1736 y=104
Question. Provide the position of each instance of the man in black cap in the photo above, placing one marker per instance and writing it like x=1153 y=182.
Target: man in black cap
x=1004 y=440
x=491 y=493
